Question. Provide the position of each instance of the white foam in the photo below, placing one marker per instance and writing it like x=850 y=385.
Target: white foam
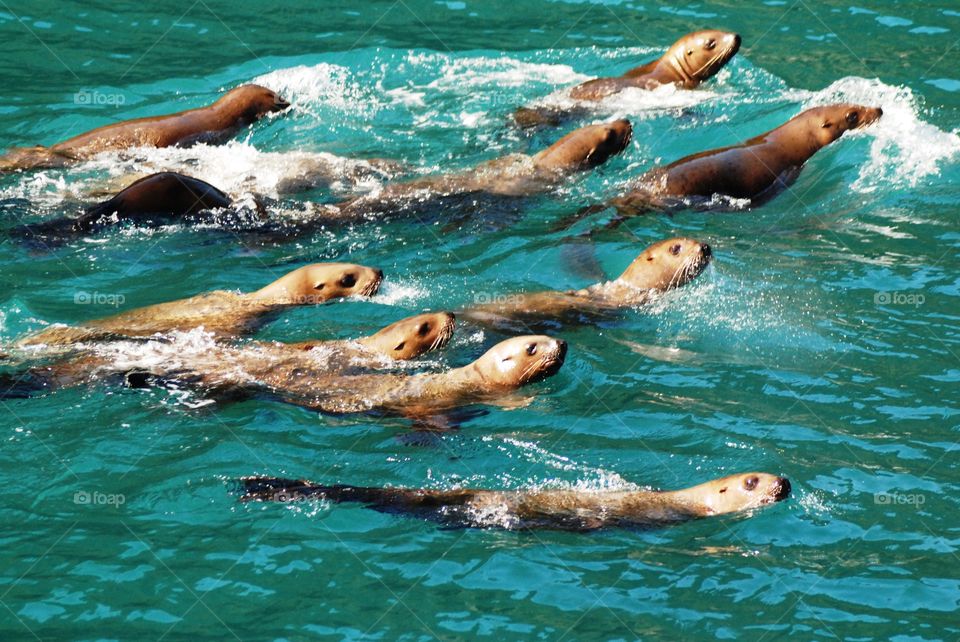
x=308 y=88
x=391 y=293
x=503 y=71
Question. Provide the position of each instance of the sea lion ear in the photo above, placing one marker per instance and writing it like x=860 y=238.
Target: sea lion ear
x=400 y=345
x=825 y=125
x=319 y=286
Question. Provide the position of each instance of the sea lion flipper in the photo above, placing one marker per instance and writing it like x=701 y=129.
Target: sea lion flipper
x=528 y=117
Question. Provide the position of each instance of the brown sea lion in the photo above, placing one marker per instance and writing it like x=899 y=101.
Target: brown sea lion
x=213 y=124
x=157 y=197
x=662 y=266
x=504 y=368
x=223 y=313
x=696 y=57
x=295 y=377
x=515 y=175
x=168 y=358
x=756 y=169
x=573 y=510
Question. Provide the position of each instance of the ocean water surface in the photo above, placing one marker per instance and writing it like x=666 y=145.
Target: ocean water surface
x=822 y=344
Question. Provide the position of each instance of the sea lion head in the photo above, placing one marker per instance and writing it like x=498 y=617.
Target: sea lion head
x=252 y=101
x=411 y=337
x=668 y=264
x=321 y=282
x=520 y=360
x=740 y=492
x=827 y=124
x=698 y=56
x=586 y=147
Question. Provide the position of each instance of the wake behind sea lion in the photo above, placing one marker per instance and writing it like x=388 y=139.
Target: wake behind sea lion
x=213 y=124
x=571 y=510
x=690 y=61
x=516 y=175
x=756 y=169
x=221 y=312
x=662 y=266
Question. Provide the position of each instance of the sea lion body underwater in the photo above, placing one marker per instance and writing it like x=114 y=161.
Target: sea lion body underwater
x=223 y=313
x=516 y=175
x=158 y=197
x=662 y=266
x=696 y=57
x=756 y=169
x=572 y=510
x=213 y=124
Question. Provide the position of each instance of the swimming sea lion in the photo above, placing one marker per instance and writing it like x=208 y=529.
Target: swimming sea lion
x=162 y=196
x=662 y=266
x=756 y=169
x=510 y=176
x=572 y=510
x=169 y=357
x=690 y=61
x=221 y=312
x=298 y=379
x=506 y=367
x=213 y=124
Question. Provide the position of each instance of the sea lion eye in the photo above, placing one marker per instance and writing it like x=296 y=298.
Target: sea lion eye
x=750 y=482
x=423 y=329
x=531 y=349
x=675 y=249
x=852 y=118
x=711 y=44
x=348 y=281
x=723 y=490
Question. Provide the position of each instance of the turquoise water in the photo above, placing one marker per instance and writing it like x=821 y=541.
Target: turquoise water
x=822 y=344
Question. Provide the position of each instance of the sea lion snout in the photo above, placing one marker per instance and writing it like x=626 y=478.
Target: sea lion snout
x=733 y=42
x=705 y=251
x=782 y=489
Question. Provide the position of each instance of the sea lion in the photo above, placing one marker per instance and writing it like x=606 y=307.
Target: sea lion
x=157 y=197
x=696 y=57
x=213 y=124
x=298 y=379
x=223 y=313
x=170 y=357
x=571 y=510
x=756 y=169
x=515 y=175
x=662 y=266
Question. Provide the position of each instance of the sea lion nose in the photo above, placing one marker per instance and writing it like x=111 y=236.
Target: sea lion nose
x=783 y=488
x=379 y=273
x=879 y=112
x=705 y=250
x=561 y=348
x=735 y=39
